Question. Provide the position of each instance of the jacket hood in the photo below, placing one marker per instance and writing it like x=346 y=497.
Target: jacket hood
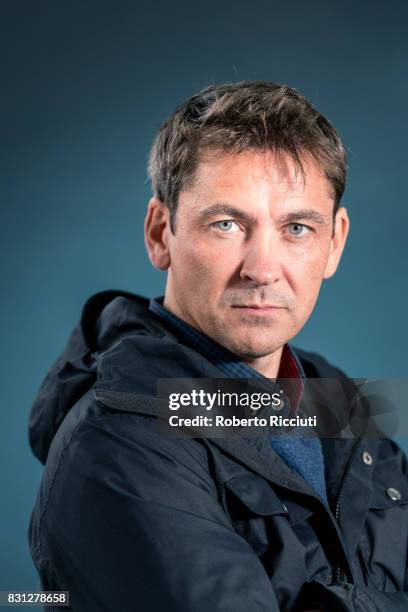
x=117 y=345
x=120 y=345
x=106 y=317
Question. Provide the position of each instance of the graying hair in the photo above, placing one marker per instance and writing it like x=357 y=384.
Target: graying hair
x=234 y=117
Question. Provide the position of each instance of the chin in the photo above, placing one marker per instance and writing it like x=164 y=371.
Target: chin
x=249 y=344
x=253 y=350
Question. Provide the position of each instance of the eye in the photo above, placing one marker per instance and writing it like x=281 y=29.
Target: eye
x=226 y=225
x=298 y=229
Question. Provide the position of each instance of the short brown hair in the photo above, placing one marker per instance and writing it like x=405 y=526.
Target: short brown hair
x=234 y=117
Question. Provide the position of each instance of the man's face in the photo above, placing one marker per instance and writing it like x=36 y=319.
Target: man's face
x=253 y=241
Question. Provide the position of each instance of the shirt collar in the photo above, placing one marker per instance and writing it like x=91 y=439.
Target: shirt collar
x=227 y=362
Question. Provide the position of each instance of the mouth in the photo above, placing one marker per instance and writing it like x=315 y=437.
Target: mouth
x=256 y=308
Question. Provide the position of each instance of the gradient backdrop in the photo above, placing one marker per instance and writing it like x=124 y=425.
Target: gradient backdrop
x=85 y=86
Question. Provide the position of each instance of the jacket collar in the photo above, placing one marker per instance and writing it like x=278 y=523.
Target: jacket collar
x=128 y=372
x=231 y=366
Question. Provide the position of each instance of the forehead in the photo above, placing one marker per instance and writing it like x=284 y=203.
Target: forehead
x=260 y=173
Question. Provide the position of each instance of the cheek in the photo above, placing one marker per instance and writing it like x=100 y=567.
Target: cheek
x=197 y=266
x=312 y=258
x=306 y=270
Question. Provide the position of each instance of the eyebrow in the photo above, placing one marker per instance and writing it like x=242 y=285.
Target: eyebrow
x=226 y=209
x=304 y=214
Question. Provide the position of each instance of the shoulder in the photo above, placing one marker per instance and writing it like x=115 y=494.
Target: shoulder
x=317 y=366
x=98 y=449
x=388 y=448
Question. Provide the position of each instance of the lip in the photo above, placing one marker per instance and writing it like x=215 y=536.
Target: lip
x=254 y=307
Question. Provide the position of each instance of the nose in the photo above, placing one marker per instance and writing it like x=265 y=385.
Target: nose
x=261 y=263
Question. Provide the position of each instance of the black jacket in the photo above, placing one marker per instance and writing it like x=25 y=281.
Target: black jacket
x=128 y=520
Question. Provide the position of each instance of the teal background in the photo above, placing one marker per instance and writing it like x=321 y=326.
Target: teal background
x=85 y=87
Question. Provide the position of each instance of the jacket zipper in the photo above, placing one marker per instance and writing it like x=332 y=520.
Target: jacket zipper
x=338 y=570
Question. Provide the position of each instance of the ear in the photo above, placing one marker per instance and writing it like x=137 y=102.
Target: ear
x=156 y=230
x=338 y=241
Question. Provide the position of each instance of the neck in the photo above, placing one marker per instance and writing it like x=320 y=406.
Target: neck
x=268 y=365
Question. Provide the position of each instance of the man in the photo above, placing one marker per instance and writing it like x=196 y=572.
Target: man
x=246 y=219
